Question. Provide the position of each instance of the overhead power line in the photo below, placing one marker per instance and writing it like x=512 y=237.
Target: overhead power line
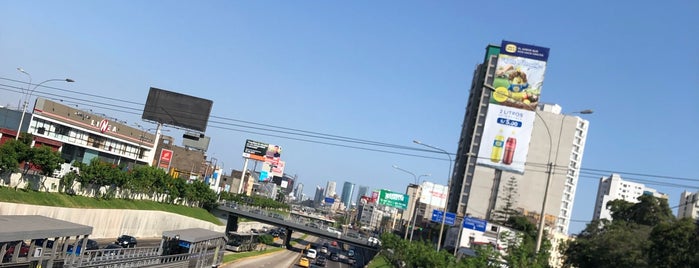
x=232 y=124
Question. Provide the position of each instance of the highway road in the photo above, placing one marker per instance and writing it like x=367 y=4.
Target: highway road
x=290 y=257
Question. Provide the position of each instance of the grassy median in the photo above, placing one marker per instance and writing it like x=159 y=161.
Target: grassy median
x=68 y=201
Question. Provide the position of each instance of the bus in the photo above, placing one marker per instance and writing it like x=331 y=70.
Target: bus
x=239 y=242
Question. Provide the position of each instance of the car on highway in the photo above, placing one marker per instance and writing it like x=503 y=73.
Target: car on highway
x=111 y=250
x=311 y=253
x=321 y=261
x=126 y=241
x=333 y=230
x=334 y=256
x=350 y=253
x=373 y=241
x=91 y=245
x=304 y=262
x=324 y=250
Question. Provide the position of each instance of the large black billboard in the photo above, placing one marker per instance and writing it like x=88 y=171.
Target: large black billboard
x=171 y=108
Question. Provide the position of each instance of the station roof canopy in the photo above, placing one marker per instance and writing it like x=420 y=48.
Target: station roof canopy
x=193 y=234
x=26 y=227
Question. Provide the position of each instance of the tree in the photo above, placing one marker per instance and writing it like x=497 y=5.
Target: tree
x=675 y=244
x=509 y=198
x=10 y=154
x=636 y=230
x=46 y=159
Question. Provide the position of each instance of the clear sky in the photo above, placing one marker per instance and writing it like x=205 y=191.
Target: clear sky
x=377 y=72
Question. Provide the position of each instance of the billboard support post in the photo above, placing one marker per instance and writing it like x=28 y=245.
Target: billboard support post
x=158 y=133
x=242 y=176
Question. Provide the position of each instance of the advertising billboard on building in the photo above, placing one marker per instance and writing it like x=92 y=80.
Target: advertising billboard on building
x=433 y=194
x=393 y=199
x=374 y=197
x=176 y=109
x=519 y=77
x=165 y=159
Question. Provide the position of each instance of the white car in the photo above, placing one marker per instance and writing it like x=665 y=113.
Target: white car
x=374 y=241
x=311 y=253
x=333 y=230
x=324 y=250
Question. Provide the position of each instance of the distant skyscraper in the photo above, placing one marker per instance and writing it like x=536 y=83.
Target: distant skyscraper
x=347 y=191
x=298 y=192
x=319 y=195
x=330 y=189
x=362 y=191
x=614 y=188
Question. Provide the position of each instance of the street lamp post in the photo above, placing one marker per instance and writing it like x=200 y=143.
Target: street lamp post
x=415 y=203
x=29 y=93
x=446 y=202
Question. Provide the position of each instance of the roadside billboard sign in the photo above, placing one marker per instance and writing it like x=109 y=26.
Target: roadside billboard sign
x=393 y=199
x=519 y=77
x=433 y=194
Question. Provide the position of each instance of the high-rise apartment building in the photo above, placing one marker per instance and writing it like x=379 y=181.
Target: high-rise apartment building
x=298 y=192
x=319 y=196
x=556 y=138
x=615 y=188
x=362 y=191
x=689 y=205
x=330 y=189
x=347 y=193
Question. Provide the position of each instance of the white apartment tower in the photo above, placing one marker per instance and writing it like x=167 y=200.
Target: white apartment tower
x=330 y=189
x=615 y=188
x=689 y=205
x=557 y=138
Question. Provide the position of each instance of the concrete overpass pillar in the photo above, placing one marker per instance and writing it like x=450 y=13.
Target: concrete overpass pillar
x=287 y=240
x=231 y=223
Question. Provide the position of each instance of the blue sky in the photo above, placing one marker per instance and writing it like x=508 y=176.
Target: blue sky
x=383 y=71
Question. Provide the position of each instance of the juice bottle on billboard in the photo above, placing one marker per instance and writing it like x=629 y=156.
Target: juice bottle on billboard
x=510 y=146
x=498 y=143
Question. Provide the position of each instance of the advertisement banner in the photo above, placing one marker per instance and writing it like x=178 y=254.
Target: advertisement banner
x=329 y=200
x=393 y=199
x=374 y=197
x=519 y=77
x=260 y=151
x=433 y=194
x=165 y=159
x=273 y=166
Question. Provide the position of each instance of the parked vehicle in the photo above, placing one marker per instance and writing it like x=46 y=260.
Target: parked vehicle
x=126 y=241
x=334 y=257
